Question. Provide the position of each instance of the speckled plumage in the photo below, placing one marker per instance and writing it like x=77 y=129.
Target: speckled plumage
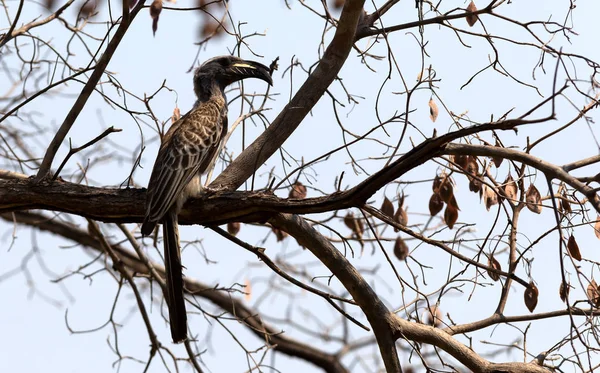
x=187 y=151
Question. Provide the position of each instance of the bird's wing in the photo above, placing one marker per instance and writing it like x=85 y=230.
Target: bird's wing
x=185 y=148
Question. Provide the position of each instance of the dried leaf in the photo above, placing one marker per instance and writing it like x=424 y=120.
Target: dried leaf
x=248 y=290
x=450 y=216
x=400 y=249
x=437 y=182
x=533 y=199
x=460 y=160
x=510 y=188
x=471 y=18
x=446 y=189
x=472 y=167
x=155 y=9
x=531 y=296
x=401 y=217
x=593 y=293
x=233 y=228
x=433 y=110
x=597 y=226
x=436 y=204
x=490 y=197
x=387 y=207
x=355 y=225
x=434 y=316
x=565 y=206
x=573 y=248
x=338 y=4
x=298 y=191
x=563 y=291
x=475 y=184
x=493 y=263
x=281 y=235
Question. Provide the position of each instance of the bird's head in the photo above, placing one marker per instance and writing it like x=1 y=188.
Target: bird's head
x=225 y=70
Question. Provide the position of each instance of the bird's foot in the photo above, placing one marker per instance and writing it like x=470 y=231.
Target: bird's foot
x=208 y=191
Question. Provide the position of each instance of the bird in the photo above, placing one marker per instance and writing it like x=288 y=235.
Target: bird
x=188 y=150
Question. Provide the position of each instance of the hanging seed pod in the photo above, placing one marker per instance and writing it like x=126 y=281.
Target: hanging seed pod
x=433 y=316
x=490 y=198
x=533 y=199
x=472 y=167
x=155 y=9
x=573 y=248
x=401 y=217
x=475 y=184
x=460 y=160
x=450 y=216
x=298 y=191
x=493 y=263
x=597 y=226
x=471 y=18
x=355 y=225
x=593 y=293
x=531 y=296
x=435 y=204
x=446 y=190
x=400 y=249
x=565 y=206
x=433 y=110
x=510 y=188
x=281 y=235
x=437 y=183
x=233 y=228
x=387 y=207
x=563 y=291
x=497 y=160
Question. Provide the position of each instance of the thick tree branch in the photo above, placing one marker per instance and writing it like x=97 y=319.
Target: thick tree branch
x=247 y=316
x=303 y=101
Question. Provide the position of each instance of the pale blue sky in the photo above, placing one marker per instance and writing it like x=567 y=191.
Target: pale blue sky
x=34 y=335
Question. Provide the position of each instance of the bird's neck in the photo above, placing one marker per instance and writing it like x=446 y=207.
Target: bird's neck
x=205 y=89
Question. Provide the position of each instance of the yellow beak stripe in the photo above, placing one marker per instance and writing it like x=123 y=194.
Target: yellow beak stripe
x=244 y=65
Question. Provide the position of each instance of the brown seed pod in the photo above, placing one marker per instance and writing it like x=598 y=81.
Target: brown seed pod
x=460 y=160
x=450 y=216
x=472 y=167
x=533 y=199
x=433 y=316
x=210 y=27
x=338 y=4
x=471 y=18
x=233 y=228
x=437 y=183
x=564 y=205
x=436 y=204
x=298 y=191
x=593 y=293
x=573 y=248
x=400 y=216
x=490 y=197
x=563 y=291
x=387 y=207
x=281 y=235
x=531 y=296
x=446 y=189
x=493 y=263
x=401 y=249
x=475 y=184
x=597 y=226
x=155 y=9
x=510 y=188
x=355 y=225
x=433 y=110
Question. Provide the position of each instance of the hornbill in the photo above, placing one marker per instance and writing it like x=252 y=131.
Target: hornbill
x=187 y=151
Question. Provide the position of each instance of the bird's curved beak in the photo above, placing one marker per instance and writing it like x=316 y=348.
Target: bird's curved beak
x=252 y=69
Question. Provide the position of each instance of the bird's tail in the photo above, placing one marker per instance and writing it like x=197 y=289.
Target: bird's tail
x=174 y=278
